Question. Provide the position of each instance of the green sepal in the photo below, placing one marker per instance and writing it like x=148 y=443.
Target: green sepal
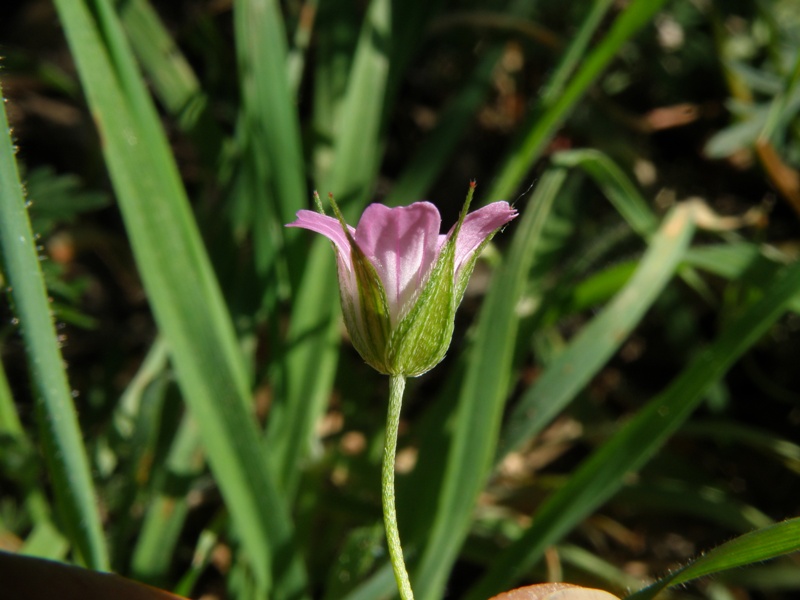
x=371 y=335
x=420 y=341
x=374 y=309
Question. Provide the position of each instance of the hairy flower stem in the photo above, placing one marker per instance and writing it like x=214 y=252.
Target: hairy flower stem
x=397 y=384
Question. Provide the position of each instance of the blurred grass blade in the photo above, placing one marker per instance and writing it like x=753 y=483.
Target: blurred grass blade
x=269 y=110
x=546 y=118
x=764 y=442
x=14 y=439
x=312 y=342
x=780 y=111
x=604 y=472
x=45 y=541
x=741 y=261
x=10 y=424
x=185 y=298
x=600 y=339
x=172 y=77
x=174 y=82
x=615 y=185
x=754 y=547
x=131 y=399
x=482 y=397
x=269 y=129
x=358 y=146
x=296 y=61
x=381 y=584
x=166 y=514
x=66 y=455
x=673 y=497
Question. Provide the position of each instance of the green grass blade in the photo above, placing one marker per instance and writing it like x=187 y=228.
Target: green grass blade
x=13 y=438
x=64 y=449
x=296 y=61
x=130 y=401
x=269 y=110
x=172 y=77
x=358 y=146
x=380 y=585
x=166 y=513
x=756 y=546
x=546 y=118
x=187 y=304
x=764 y=442
x=45 y=541
x=10 y=424
x=574 y=54
x=309 y=366
x=615 y=185
x=482 y=397
x=598 y=341
x=741 y=261
x=174 y=82
x=603 y=473
x=673 y=497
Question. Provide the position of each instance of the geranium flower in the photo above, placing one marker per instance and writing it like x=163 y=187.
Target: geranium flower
x=401 y=281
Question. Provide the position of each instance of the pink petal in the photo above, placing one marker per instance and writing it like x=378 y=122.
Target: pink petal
x=402 y=244
x=478 y=226
x=330 y=228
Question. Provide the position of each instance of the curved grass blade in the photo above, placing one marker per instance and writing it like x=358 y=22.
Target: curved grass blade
x=756 y=546
x=482 y=397
x=598 y=341
x=765 y=442
x=187 y=303
x=615 y=185
x=673 y=497
x=604 y=472
x=64 y=449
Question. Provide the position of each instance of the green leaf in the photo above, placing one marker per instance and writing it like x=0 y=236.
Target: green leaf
x=64 y=449
x=756 y=546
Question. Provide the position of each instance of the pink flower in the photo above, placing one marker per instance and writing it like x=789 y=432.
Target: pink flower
x=401 y=281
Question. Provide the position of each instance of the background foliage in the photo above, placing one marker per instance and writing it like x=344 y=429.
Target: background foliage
x=622 y=391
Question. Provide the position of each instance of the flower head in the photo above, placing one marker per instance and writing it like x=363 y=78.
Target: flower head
x=401 y=281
